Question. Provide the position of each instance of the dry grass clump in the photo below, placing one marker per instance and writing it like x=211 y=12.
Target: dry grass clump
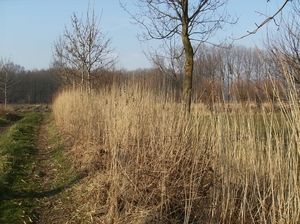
x=4 y=110
x=146 y=154
x=149 y=163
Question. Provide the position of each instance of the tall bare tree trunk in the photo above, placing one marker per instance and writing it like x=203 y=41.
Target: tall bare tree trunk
x=189 y=59
x=5 y=95
x=5 y=89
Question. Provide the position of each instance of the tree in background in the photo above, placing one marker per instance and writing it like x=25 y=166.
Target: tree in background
x=192 y=21
x=286 y=44
x=82 y=52
x=36 y=86
x=168 y=58
x=10 y=75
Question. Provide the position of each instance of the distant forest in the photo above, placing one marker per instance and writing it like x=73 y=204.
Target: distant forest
x=236 y=74
x=33 y=87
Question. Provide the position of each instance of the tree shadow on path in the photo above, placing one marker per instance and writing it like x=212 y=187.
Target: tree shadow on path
x=9 y=194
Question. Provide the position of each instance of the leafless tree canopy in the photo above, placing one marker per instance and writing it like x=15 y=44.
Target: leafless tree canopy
x=285 y=43
x=193 y=21
x=164 y=19
x=83 y=51
x=9 y=76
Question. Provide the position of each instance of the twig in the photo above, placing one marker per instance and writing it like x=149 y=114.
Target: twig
x=263 y=23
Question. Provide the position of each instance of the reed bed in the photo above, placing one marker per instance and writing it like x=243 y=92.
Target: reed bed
x=150 y=163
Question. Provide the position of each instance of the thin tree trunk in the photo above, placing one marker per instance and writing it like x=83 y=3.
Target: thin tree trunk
x=189 y=59
x=5 y=89
x=5 y=95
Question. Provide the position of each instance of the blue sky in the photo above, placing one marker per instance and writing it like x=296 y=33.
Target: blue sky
x=28 y=28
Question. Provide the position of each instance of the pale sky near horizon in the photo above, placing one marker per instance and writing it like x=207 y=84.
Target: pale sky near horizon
x=28 y=28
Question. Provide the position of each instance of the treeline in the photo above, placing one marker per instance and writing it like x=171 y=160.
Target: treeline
x=20 y=86
x=236 y=73
x=229 y=74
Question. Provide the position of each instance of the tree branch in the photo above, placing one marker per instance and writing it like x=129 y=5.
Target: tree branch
x=264 y=22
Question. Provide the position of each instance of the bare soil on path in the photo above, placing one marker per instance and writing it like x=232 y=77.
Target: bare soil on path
x=54 y=176
x=45 y=188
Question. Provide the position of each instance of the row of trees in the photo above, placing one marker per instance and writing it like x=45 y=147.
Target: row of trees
x=84 y=58
x=20 y=86
x=235 y=73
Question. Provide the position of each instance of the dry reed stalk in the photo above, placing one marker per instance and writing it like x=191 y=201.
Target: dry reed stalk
x=150 y=164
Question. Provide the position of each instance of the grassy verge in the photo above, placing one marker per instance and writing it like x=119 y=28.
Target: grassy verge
x=36 y=178
x=17 y=149
x=9 y=119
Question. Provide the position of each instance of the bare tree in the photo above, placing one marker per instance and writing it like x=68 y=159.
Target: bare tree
x=81 y=52
x=9 y=76
x=224 y=65
x=192 y=21
x=168 y=58
x=286 y=44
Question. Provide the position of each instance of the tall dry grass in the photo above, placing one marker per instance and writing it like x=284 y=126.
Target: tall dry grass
x=149 y=163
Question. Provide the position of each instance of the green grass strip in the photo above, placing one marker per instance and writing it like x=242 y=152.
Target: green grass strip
x=9 y=119
x=17 y=153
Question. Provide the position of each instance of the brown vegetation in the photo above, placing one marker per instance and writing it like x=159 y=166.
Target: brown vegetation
x=148 y=163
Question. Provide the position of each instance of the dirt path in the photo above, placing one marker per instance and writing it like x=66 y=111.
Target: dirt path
x=54 y=177
x=39 y=185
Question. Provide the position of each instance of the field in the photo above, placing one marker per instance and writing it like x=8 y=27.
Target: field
x=148 y=162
